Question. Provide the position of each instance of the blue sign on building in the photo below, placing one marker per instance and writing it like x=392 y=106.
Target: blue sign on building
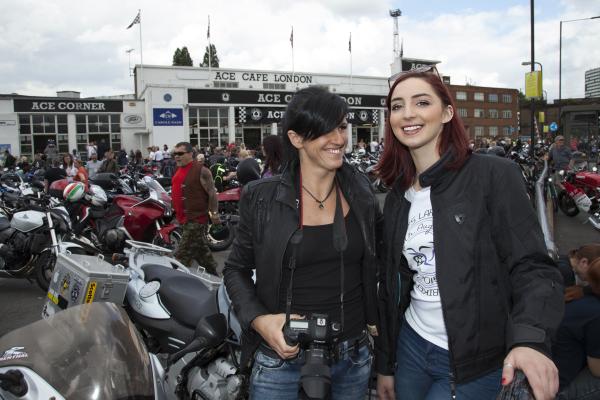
x=554 y=127
x=168 y=116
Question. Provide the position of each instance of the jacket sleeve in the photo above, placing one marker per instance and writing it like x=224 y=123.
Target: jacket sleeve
x=384 y=363
x=534 y=281
x=239 y=267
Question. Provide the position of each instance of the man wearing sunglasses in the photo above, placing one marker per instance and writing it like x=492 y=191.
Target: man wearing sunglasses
x=195 y=203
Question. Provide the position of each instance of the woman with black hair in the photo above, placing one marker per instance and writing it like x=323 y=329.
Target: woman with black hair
x=309 y=234
x=273 y=151
x=468 y=293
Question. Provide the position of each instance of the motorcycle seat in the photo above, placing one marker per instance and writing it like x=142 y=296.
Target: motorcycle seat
x=184 y=295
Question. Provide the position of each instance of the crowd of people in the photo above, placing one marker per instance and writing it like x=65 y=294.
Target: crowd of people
x=452 y=281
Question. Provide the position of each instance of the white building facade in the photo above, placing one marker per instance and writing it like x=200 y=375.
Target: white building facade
x=221 y=106
x=173 y=104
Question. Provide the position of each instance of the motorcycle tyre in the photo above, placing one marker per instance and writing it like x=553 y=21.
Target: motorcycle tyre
x=45 y=264
x=175 y=237
x=221 y=245
x=567 y=204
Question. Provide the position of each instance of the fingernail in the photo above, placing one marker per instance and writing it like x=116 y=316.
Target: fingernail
x=503 y=380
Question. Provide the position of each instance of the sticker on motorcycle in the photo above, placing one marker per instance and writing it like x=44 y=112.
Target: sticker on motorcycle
x=14 y=353
x=66 y=282
x=91 y=291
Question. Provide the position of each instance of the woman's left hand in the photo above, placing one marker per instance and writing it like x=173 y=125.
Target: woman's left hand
x=540 y=371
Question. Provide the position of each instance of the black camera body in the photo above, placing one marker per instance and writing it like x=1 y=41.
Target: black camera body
x=314 y=329
x=315 y=335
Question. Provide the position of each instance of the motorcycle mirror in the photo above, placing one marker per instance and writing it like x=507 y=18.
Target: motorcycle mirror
x=210 y=332
x=561 y=172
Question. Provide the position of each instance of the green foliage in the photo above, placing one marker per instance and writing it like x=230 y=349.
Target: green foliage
x=214 y=58
x=182 y=57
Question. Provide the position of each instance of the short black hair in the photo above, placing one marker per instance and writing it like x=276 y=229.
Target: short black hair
x=187 y=145
x=312 y=112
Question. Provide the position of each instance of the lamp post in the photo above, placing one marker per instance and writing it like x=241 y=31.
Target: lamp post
x=533 y=64
x=560 y=53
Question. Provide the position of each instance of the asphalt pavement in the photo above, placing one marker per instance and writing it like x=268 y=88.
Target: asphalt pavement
x=21 y=302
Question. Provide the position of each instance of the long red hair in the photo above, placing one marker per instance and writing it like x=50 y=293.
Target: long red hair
x=396 y=160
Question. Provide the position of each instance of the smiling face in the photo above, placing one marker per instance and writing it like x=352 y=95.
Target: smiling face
x=417 y=115
x=324 y=152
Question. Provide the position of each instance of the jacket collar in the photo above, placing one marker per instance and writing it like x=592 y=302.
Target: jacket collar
x=287 y=192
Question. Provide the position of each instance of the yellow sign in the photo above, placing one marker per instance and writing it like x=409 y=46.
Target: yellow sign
x=542 y=117
x=533 y=84
x=546 y=129
x=89 y=296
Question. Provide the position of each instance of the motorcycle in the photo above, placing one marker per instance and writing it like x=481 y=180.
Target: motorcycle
x=220 y=237
x=31 y=237
x=581 y=193
x=158 y=298
x=131 y=217
x=93 y=351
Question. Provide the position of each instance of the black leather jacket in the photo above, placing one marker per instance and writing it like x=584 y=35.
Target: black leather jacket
x=268 y=218
x=498 y=286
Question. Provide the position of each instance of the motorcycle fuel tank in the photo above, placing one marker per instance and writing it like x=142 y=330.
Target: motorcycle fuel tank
x=588 y=178
x=26 y=221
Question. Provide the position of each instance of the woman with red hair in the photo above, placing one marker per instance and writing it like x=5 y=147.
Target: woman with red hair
x=468 y=291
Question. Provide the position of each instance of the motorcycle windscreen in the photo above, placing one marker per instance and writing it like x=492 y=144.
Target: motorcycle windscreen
x=91 y=351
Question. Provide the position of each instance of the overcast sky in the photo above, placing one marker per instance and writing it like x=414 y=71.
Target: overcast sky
x=50 y=45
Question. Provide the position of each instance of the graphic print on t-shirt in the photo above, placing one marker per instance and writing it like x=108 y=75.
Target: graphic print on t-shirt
x=424 y=313
x=419 y=251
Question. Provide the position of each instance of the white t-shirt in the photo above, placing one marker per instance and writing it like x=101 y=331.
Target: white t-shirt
x=151 y=156
x=424 y=314
x=158 y=156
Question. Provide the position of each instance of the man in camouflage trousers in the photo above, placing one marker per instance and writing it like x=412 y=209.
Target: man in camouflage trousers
x=195 y=203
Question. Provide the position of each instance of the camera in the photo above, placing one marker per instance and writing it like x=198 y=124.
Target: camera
x=315 y=335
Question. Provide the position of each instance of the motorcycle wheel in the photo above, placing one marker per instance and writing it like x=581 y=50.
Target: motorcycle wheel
x=45 y=265
x=175 y=237
x=221 y=245
x=567 y=204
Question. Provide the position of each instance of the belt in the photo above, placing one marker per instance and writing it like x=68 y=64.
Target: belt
x=337 y=350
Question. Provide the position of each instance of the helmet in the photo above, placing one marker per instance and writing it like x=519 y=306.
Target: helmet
x=497 y=151
x=114 y=239
x=74 y=191
x=361 y=152
x=219 y=231
x=97 y=196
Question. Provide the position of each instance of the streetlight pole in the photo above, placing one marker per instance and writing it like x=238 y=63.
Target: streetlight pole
x=560 y=52
x=532 y=110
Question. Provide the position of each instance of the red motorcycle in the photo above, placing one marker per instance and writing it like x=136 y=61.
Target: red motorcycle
x=581 y=193
x=146 y=217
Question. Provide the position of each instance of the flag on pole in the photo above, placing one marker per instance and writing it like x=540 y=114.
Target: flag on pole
x=136 y=20
x=208 y=30
x=350 y=43
x=292 y=37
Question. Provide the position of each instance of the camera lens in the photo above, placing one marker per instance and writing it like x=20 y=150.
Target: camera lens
x=315 y=375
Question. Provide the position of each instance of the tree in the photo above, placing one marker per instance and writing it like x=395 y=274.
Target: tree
x=182 y=57
x=214 y=58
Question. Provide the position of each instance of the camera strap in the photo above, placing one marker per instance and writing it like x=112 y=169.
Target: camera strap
x=340 y=242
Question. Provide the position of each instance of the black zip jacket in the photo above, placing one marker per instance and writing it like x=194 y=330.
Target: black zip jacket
x=498 y=286
x=268 y=218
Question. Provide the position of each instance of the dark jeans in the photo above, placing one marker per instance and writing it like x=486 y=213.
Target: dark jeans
x=277 y=379
x=423 y=372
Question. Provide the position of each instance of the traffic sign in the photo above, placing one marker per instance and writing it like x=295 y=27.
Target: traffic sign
x=553 y=126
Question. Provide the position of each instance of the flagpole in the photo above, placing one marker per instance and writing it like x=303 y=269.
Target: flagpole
x=292 y=41
x=141 y=52
x=350 y=50
x=209 y=48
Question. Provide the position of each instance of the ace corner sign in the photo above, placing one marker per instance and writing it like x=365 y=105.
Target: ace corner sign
x=167 y=116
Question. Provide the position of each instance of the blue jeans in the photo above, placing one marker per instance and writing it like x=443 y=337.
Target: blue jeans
x=423 y=372
x=274 y=378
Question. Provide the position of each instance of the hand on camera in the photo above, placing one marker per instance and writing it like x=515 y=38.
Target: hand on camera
x=270 y=327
